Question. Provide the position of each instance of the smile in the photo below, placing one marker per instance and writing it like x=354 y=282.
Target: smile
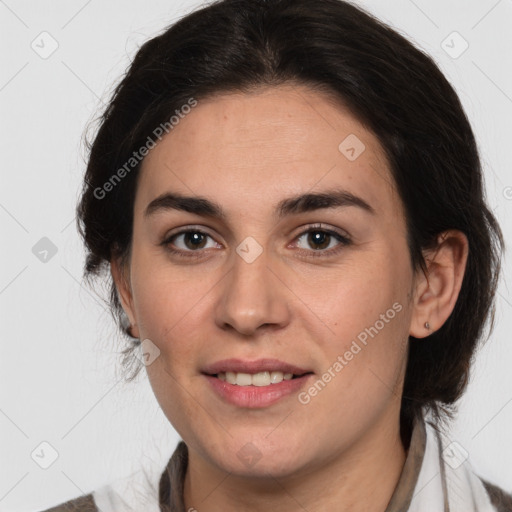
x=254 y=384
x=257 y=379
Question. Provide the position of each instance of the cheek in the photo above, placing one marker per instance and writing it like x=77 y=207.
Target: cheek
x=368 y=313
x=360 y=294
x=361 y=378
x=165 y=297
x=173 y=309
x=171 y=312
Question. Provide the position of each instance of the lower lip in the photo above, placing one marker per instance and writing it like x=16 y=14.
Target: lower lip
x=254 y=397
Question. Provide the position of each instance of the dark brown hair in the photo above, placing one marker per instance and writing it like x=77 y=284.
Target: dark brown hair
x=391 y=86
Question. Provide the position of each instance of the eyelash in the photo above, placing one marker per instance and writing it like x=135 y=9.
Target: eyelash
x=343 y=239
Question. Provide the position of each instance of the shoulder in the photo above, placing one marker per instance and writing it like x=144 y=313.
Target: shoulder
x=151 y=488
x=81 y=504
x=142 y=489
x=501 y=500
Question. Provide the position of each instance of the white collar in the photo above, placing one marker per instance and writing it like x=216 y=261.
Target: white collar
x=446 y=481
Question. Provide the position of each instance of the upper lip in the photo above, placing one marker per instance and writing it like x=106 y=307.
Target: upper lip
x=256 y=366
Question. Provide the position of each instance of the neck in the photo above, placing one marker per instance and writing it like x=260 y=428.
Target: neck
x=360 y=479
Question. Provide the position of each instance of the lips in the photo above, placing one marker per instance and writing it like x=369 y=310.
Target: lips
x=255 y=384
x=253 y=367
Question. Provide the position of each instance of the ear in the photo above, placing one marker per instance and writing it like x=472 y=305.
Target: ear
x=121 y=279
x=436 y=292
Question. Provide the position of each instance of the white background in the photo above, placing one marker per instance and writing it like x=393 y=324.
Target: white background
x=61 y=380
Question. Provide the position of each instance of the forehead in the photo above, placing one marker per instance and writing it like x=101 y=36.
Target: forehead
x=267 y=144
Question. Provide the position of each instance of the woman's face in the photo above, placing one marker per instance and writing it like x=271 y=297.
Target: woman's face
x=284 y=281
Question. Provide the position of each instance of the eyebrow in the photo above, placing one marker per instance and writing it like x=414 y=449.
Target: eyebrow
x=302 y=203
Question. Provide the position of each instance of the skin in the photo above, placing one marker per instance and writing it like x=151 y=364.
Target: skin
x=247 y=152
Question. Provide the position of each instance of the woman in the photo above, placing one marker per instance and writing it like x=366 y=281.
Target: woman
x=289 y=200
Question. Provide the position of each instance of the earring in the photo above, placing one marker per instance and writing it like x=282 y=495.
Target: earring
x=427 y=326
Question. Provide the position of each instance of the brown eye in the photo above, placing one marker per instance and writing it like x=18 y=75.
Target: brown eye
x=194 y=240
x=321 y=242
x=320 y=239
x=189 y=241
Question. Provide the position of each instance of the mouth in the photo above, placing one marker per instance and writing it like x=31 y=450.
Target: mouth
x=261 y=372
x=255 y=384
x=260 y=379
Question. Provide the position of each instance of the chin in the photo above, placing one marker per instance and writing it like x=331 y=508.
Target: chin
x=258 y=457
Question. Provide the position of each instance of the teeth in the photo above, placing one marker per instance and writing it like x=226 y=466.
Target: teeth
x=260 y=379
x=243 y=379
x=230 y=377
x=256 y=379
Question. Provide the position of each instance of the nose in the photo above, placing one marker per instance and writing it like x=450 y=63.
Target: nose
x=251 y=297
